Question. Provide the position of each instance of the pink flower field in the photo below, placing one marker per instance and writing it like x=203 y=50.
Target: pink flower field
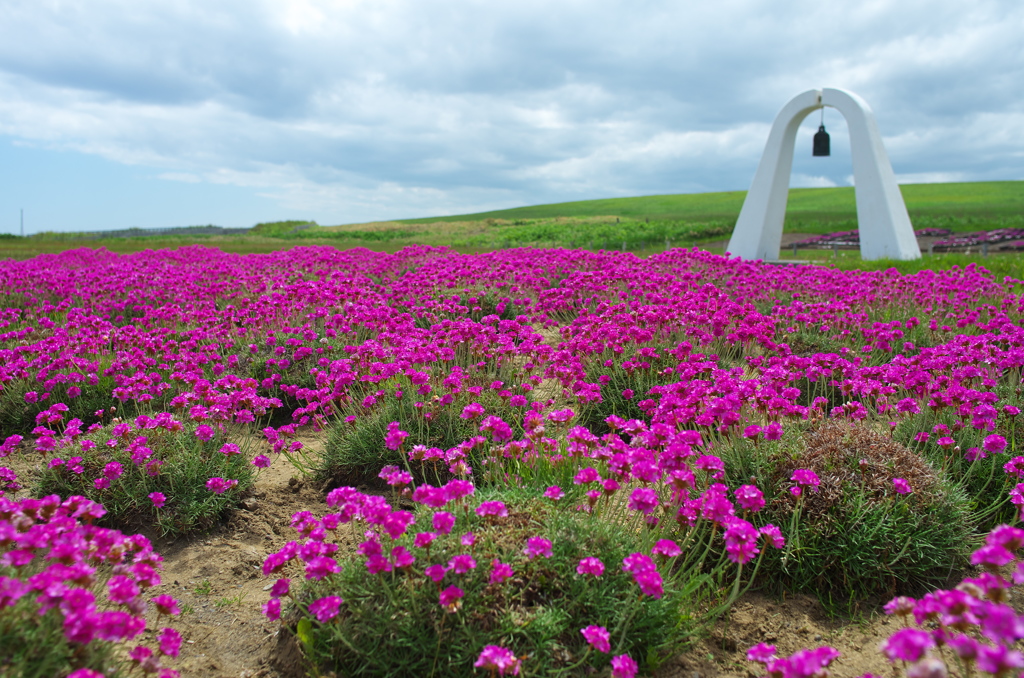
x=529 y=462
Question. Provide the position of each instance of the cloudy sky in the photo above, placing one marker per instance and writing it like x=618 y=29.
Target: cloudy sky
x=118 y=113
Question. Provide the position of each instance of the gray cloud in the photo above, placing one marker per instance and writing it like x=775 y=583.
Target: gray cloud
x=359 y=109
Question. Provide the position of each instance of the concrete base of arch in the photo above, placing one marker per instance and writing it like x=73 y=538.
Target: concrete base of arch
x=885 y=228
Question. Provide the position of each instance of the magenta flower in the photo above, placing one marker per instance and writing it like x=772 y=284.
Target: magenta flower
x=116 y=626
x=752 y=431
x=461 y=564
x=424 y=539
x=497 y=658
x=377 y=563
x=803 y=663
x=492 y=508
x=650 y=583
x=740 y=541
x=644 y=500
x=1014 y=467
x=321 y=566
x=472 y=411
x=1002 y=625
x=139 y=654
x=158 y=499
x=435 y=572
x=499 y=572
x=397 y=522
x=907 y=645
x=402 y=558
x=561 y=416
x=900 y=606
x=205 y=432
x=666 y=548
x=325 y=609
x=624 y=667
x=1010 y=538
x=395 y=476
x=169 y=641
x=394 y=437
x=598 y=637
x=908 y=406
x=122 y=590
x=275 y=561
x=280 y=588
x=113 y=470
x=750 y=498
x=999 y=660
x=500 y=430
x=220 y=485
x=902 y=486
x=773 y=431
x=994 y=444
x=451 y=598
x=804 y=478
x=761 y=653
x=165 y=604
x=229 y=449
x=591 y=566
x=537 y=546
x=637 y=562
x=261 y=461
x=554 y=493
x=586 y=475
x=773 y=535
x=443 y=522
x=457 y=489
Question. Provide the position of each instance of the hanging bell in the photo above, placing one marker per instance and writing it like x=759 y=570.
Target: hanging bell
x=821 y=143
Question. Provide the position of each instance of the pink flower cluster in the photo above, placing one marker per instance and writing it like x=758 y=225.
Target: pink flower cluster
x=973 y=620
x=56 y=556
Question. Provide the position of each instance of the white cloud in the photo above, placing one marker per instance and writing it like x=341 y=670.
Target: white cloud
x=397 y=107
x=930 y=177
x=806 y=181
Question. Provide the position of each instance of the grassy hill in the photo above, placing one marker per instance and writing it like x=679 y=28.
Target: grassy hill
x=807 y=207
x=643 y=224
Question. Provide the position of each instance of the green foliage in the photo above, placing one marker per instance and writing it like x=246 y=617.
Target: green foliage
x=828 y=207
x=276 y=229
x=978 y=474
x=179 y=467
x=627 y=372
x=391 y=624
x=357 y=235
x=605 y=234
x=19 y=416
x=856 y=538
x=997 y=265
x=356 y=452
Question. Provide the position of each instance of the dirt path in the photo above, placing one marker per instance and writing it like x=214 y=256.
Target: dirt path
x=218 y=580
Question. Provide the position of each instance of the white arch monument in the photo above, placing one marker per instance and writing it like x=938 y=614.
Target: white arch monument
x=885 y=229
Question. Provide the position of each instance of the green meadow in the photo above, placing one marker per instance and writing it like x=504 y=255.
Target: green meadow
x=645 y=225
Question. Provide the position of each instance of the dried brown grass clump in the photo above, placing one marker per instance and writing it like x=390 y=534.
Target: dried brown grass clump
x=848 y=455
